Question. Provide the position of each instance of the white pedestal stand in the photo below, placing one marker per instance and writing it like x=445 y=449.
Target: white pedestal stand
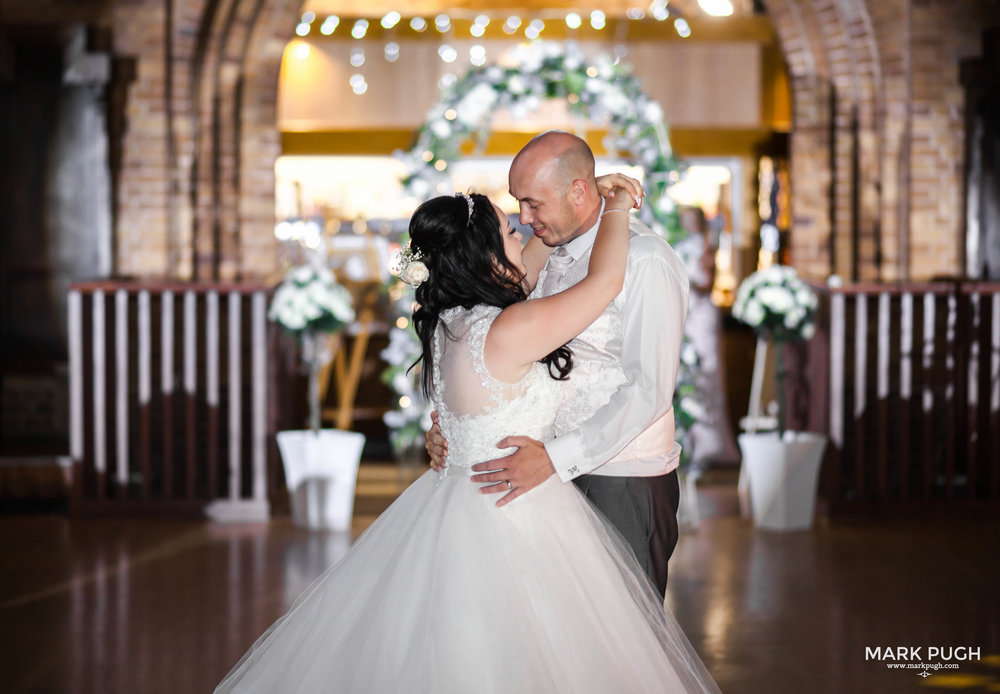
x=321 y=471
x=782 y=475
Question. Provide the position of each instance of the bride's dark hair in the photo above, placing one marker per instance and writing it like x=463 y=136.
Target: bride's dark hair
x=467 y=266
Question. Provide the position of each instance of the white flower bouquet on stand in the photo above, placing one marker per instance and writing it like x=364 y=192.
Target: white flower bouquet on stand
x=321 y=465
x=311 y=305
x=780 y=471
x=780 y=307
x=776 y=303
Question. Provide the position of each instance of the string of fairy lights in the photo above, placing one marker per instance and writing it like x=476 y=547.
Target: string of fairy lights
x=452 y=26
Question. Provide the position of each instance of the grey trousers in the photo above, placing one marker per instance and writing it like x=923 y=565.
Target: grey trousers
x=644 y=510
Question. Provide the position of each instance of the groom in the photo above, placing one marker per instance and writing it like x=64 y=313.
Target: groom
x=614 y=431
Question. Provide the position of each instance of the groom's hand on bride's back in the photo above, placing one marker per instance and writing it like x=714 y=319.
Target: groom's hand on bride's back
x=524 y=469
x=436 y=445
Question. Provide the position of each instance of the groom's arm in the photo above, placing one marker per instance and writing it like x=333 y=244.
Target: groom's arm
x=436 y=444
x=653 y=314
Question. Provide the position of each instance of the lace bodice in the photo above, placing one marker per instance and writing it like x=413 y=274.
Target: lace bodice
x=475 y=409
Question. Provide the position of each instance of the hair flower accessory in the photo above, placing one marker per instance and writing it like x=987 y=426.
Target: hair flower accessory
x=411 y=266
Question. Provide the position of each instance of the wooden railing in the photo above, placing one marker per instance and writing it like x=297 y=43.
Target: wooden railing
x=169 y=397
x=905 y=379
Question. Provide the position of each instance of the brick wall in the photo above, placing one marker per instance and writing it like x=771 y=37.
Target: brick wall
x=197 y=179
x=891 y=33
x=878 y=181
x=938 y=128
x=141 y=219
x=261 y=142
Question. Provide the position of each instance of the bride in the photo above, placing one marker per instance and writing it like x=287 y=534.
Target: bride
x=445 y=593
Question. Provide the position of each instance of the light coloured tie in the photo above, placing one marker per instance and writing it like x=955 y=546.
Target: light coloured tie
x=555 y=268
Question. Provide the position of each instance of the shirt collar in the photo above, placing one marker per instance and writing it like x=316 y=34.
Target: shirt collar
x=585 y=241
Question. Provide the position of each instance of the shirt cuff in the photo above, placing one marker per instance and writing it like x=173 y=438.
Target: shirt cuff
x=565 y=452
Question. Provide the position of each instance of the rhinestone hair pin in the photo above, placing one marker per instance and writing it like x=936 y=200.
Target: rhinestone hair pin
x=468 y=200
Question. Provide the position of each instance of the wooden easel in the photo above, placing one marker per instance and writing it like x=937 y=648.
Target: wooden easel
x=348 y=361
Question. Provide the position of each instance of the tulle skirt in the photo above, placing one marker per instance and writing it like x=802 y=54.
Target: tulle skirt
x=447 y=594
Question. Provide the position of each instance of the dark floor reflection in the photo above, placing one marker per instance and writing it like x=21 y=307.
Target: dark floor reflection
x=101 y=606
x=309 y=557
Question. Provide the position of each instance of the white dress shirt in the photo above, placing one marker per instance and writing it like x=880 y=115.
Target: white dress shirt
x=616 y=416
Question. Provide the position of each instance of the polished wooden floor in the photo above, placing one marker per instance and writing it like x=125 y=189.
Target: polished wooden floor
x=105 y=606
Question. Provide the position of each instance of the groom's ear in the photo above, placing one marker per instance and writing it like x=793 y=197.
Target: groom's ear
x=578 y=190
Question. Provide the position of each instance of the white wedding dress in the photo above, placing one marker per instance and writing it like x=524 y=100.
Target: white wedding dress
x=447 y=594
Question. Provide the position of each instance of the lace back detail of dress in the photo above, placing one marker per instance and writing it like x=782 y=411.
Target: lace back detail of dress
x=477 y=410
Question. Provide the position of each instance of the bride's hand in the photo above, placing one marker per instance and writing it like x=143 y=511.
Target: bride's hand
x=608 y=182
x=620 y=198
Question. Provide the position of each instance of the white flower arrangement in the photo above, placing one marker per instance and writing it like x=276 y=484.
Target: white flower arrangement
x=777 y=304
x=781 y=307
x=312 y=306
x=687 y=408
x=412 y=418
x=310 y=299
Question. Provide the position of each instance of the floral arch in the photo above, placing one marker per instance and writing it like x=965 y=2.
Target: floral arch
x=601 y=91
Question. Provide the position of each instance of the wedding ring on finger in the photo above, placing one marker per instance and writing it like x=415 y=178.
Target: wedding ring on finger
x=509 y=485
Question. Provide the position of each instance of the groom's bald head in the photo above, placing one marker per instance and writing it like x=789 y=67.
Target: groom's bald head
x=552 y=178
x=567 y=156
